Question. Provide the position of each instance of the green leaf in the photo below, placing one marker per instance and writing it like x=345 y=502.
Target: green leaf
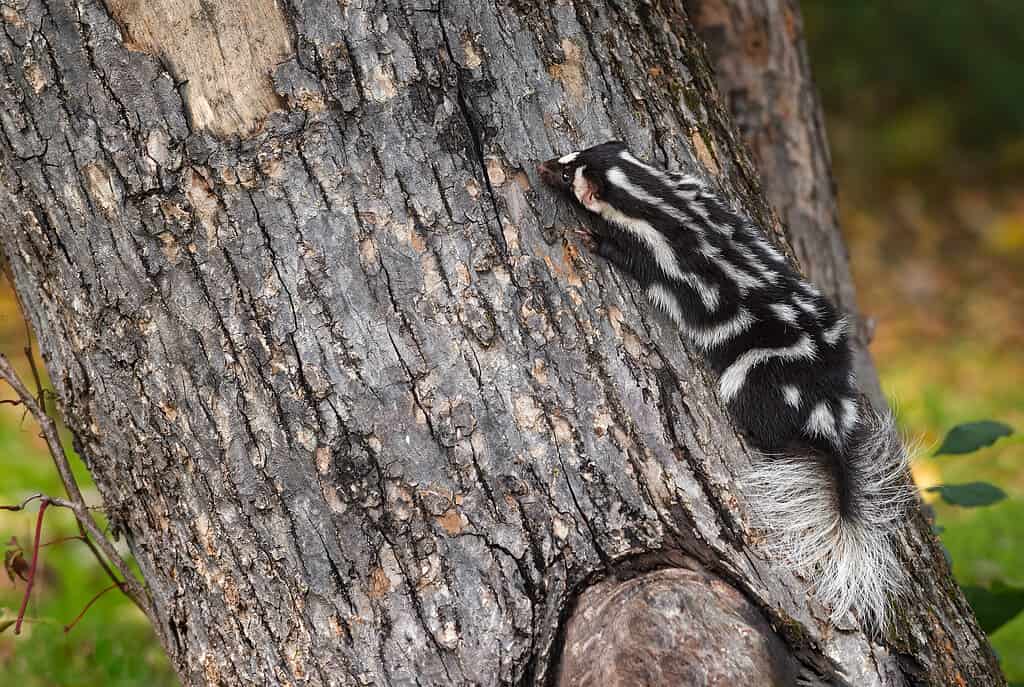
x=995 y=606
x=971 y=436
x=970 y=494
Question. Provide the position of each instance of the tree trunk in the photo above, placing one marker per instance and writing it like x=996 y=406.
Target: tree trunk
x=363 y=413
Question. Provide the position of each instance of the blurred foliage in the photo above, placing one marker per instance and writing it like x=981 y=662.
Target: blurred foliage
x=972 y=436
x=969 y=495
x=999 y=603
x=926 y=123
x=935 y=83
x=996 y=605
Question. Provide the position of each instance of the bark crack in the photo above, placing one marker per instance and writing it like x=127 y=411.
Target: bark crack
x=467 y=116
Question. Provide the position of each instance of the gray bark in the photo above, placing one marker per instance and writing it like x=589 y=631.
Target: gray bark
x=363 y=413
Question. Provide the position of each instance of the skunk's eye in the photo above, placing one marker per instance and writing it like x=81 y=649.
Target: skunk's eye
x=566 y=177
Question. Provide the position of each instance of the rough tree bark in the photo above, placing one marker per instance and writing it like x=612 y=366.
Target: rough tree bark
x=363 y=413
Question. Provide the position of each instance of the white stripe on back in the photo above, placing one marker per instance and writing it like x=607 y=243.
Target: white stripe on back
x=809 y=307
x=715 y=335
x=850 y=413
x=619 y=178
x=703 y=337
x=785 y=312
x=734 y=377
x=770 y=250
x=666 y=301
x=821 y=422
x=671 y=179
x=744 y=281
x=792 y=396
x=835 y=332
x=664 y=254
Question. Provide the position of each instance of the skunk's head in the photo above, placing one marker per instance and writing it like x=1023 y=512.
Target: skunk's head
x=583 y=174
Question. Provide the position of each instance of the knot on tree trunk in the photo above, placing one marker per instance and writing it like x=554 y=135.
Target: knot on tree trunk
x=672 y=627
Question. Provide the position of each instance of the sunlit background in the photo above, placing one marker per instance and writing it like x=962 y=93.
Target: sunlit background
x=925 y=110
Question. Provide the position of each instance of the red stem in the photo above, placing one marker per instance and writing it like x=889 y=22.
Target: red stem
x=69 y=626
x=32 y=568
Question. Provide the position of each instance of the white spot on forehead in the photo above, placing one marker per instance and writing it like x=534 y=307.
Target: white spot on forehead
x=566 y=159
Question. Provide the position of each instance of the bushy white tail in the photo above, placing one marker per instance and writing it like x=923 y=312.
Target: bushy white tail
x=849 y=553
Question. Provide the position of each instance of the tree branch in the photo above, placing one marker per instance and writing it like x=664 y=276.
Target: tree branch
x=76 y=503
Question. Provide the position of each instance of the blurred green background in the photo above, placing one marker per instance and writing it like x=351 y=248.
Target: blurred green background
x=925 y=112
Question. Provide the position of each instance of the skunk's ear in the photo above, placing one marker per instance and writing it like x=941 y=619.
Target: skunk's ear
x=591 y=193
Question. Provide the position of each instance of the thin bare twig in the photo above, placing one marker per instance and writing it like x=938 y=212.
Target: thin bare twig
x=76 y=503
x=40 y=393
x=62 y=540
x=21 y=506
x=94 y=599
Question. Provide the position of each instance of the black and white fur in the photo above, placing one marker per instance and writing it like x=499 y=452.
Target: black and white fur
x=833 y=483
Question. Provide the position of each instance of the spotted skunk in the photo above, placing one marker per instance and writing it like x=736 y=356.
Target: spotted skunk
x=832 y=484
